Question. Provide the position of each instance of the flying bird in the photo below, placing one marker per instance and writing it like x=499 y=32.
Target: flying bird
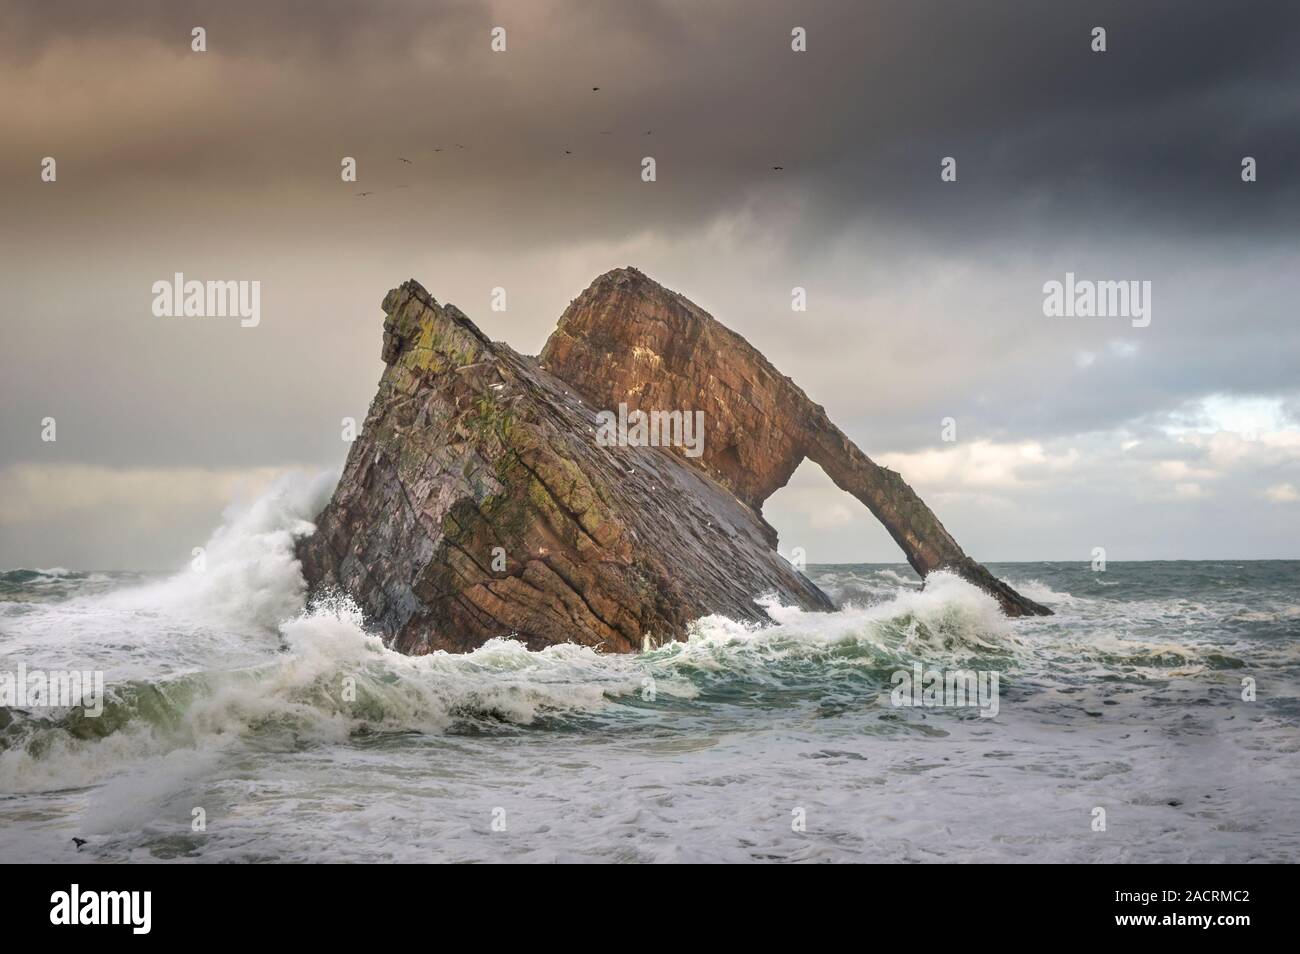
x=78 y=842
x=778 y=168
x=405 y=160
x=459 y=146
x=595 y=89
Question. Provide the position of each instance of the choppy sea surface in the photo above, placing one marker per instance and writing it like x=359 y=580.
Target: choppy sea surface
x=292 y=734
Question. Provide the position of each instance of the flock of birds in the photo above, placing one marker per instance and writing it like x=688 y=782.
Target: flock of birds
x=567 y=152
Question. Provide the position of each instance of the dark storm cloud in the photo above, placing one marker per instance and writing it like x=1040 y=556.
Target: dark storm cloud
x=1150 y=132
x=1048 y=134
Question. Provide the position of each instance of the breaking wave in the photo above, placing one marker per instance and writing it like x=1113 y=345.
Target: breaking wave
x=333 y=680
x=229 y=656
x=206 y=661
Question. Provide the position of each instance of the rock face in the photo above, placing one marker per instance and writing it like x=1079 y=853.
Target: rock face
x=478 y=501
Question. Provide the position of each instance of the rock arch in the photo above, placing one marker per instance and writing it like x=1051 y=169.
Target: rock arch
x=629 y=339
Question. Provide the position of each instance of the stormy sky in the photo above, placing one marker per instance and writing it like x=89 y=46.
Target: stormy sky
x=1180 y=439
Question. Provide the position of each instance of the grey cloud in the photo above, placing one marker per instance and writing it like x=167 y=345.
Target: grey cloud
x=1048 y=135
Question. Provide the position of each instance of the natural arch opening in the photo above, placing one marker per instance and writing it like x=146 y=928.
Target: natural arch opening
x=827 y=524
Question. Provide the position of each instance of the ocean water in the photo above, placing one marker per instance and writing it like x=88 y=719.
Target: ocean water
x=296 y=736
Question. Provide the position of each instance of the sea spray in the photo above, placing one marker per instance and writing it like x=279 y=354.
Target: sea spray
x=248 y=574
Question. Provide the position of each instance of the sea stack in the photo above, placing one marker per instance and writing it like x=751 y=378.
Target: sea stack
x=484 y=497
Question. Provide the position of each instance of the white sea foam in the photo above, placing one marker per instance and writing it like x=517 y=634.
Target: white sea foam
x=950 y=620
